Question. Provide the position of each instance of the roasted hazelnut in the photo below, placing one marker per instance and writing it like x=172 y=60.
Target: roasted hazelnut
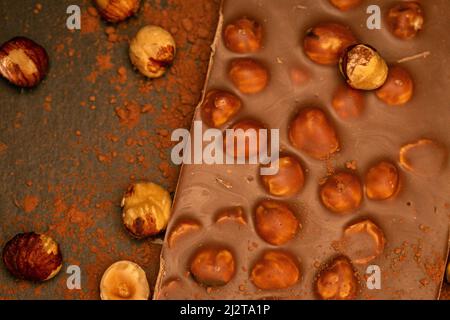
x=117 y=10
x=124 y=280
x=248 y=75
x=32 y=256
x=345 y=5
x=181 y=229
x=235 y=214
x=348 y=102
x=398 y=88
x=219 y=107
x=23 y=62
x=275 y=270
x=152 y=51
x=213 y=266
x=288 y=181
x=275 y=222
x=382 y=181
x=146 y=209
x=243 y=36
x=405 y=19
x=363 y=67
x=342 y=192
x=312 y=133
x=245 y=140
x=424 y=157
x=326 y=42
x=337 y=281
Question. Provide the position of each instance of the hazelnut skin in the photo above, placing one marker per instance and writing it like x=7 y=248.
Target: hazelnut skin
x=117 y=10
x=312 y=133
x=244 y=131
x=326 y=42
x=289 y=180
x=345 y=5
x=213 y=266
x=23 y=62
x=341 y=193
x=348 y=102
x=275 y=222
x=219 y=107
x=398 y=88
x=243 y=36
x=405 y=19
x=382 y=181
x=146 y=209
x=424 y=157
x=152 y=51
x=248 y=75
x=181 y=229
x=235 y=214
x=31 y=256
x=275 y=270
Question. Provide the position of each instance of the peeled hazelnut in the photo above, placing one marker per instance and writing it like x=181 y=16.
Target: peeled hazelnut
x=23 y=62
x=146 y=209
x=337 y=281
x=124 y=280
x=342 y=192
x=275 y=270
x=248 y=75
x=345 y=5
x=312 y=133
x=235 y=214
x=363 y=67
x=288 y=181
x=152 y=51
x=243 y=36
x=213 y=266
x=398 y=88
x=382 y=181
x=424 y=157
x=405 y=19
x=219 y=107
x=181 y=229
x=32 y=256
x=275 y=222
x=117 y=10
x=326 y=42
x=348 y=102
x=245 y=134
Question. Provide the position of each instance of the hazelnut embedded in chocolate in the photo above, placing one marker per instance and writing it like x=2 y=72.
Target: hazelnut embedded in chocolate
x=243 y=35
x=348 y=102
x=398 y=88
x=424 y=157
x=342 y=192
x=382 y=181
x=212 y=266
x=288 y=181
x=117 y=10
x=405 y=19
x=182 y=228
x=245 y=140
x=447 y=273
x=345 y=5
x=232 y=214
x=248 y=75
x=219 y=107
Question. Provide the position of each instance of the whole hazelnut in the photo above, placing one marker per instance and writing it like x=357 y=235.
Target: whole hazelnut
x=345 y=5
x=219 y=107
x=275 y=222
x=32 y=256
x=337 y=281
x=23 y=62
x=275 y=270
x=117 y=10
x=234 y=214
x=146 y=209
x=312 y=133
x=213 y=266
x=398 y=88
x=363 y=67
x=152 y=51
x=405 y=19
x=124 y=280
x=182 y=228
x=342 y=192
x=243 y=36
x=244 y=143
x=382 y=181
x=348 y=102
x=289 y=180
x=326 y=42
x=248 y=75
x=424 y=157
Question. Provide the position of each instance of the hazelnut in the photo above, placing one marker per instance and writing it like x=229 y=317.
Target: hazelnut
x=181 y=229
x=312 y=133
x=398 y=88
x=213 y=266
x=243 y=36
x=382 y=181
x=289 y=180
x=146 y=209
x=117 y=10
x=235 y=214
x=245 y=134
x=275 y=270
x=299 y=76
x=275 y=222
x=337 y=281
x=124 y=280
x=342 y=192
x=325 y=42
x=32 y=256
x=219 y=107
x=405 y=19
x=152 y=51
x=23 y=62
x=248 y=75
x=348 y=102
x=447 y=273
x=345 y=5
x=363 y=67
x=424 y=157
